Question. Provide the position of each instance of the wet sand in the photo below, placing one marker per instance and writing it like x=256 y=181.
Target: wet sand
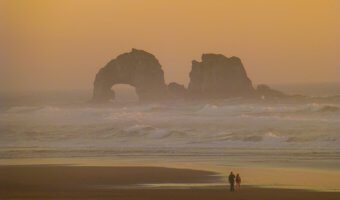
x=85 y=182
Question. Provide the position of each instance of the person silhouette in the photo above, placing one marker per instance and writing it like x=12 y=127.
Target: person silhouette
x=232 y=181
x=238 y=182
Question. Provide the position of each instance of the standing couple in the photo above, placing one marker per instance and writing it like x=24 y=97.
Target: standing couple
x=232 y=180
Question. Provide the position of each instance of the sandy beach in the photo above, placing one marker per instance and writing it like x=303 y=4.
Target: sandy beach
x=99 y=182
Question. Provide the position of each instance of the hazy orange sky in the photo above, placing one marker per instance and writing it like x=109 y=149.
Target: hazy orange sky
x=59 y=44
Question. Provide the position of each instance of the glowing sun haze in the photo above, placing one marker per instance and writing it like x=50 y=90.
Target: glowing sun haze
x=60 y=44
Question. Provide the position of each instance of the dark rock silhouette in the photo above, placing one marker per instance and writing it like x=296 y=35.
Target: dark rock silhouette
x=215 y=77
x=219 y=77
x=266 y=92
x=177 y=91
x=137 y=68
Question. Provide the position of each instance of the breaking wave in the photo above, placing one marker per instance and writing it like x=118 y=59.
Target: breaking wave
x=251 y=108
x=196 y=127
x=329 y=108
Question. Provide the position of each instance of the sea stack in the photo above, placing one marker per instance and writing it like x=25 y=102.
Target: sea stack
x=218 y=76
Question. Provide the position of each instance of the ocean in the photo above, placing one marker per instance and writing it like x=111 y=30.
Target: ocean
x=240 y=132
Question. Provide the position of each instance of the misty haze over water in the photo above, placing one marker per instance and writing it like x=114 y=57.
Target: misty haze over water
x=64 y=124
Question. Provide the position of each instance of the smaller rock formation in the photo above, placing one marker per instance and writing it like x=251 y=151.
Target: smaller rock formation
x=137 y=68
x=177 y=91
x=264 y=91
x=219 y=77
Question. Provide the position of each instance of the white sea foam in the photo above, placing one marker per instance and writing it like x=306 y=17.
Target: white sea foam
x=255 y=131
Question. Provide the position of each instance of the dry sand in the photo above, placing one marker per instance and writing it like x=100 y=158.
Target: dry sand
x=86 y=182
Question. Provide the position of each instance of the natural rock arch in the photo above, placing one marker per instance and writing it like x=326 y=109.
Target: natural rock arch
x=137 y=68
x=125 y=93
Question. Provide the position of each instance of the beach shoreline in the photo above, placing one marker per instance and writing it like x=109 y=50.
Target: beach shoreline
x=131 y=182
x=278 y=177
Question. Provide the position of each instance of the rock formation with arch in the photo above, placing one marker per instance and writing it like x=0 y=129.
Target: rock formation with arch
x=137 y=68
